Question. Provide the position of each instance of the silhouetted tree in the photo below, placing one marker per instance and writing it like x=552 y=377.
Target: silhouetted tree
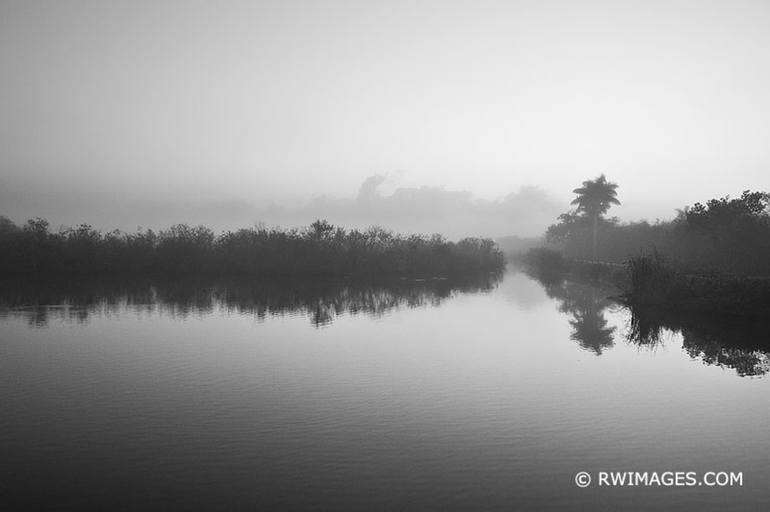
x=593 y=200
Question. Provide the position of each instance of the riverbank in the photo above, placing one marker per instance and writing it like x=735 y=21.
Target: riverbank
x=548 y=265
x=649 y=283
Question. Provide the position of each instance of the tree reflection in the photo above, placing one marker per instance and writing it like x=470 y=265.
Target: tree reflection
x=322 y=301
x=586 y=302
x=591 y=332
x=746 y=361
x=741 y=344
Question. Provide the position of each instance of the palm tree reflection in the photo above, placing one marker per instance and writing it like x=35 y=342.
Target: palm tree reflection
x=590 y=331
x=586 y=302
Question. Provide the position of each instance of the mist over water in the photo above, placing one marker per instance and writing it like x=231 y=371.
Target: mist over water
x=233 y=395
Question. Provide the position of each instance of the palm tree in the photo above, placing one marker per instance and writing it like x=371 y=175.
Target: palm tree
x=594 y=198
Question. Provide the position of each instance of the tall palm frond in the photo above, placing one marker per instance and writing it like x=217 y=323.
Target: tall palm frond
x=593 y=199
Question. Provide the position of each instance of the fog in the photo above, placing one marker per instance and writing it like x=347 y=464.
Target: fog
x=427 y=210
x=483 y=115
x=455 y=214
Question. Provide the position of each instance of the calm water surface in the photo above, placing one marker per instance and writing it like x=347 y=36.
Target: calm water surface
x=408 y=395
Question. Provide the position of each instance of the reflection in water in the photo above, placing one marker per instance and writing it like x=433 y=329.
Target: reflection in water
x=477 y=405
x=740 y=344
x=591 y=331
x=586 y=303
x=320 y=300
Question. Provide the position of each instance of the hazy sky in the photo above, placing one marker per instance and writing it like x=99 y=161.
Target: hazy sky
x=107 y=108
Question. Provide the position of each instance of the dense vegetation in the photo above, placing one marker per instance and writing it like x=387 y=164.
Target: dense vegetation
x=712 y=258
x=727 y=235
x=321 y=249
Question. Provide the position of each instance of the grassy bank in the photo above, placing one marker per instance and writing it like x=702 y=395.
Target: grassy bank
x=658 y=283
x=549 y=265
x=321 y=249
x=650 y=282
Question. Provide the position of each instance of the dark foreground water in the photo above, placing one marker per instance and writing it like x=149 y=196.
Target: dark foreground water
x=444 y=395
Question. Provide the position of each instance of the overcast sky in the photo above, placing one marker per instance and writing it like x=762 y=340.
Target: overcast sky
x=110 y=109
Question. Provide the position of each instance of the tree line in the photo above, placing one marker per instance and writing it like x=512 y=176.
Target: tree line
x=33 y=248
x=713 y=258
x=725 y=235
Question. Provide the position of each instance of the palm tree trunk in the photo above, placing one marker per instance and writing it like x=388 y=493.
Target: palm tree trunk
x=596 y=227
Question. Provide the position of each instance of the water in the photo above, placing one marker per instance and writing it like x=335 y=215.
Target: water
x=446 y=395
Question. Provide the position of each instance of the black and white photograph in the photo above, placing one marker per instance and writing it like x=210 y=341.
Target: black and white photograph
x=370 y=255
